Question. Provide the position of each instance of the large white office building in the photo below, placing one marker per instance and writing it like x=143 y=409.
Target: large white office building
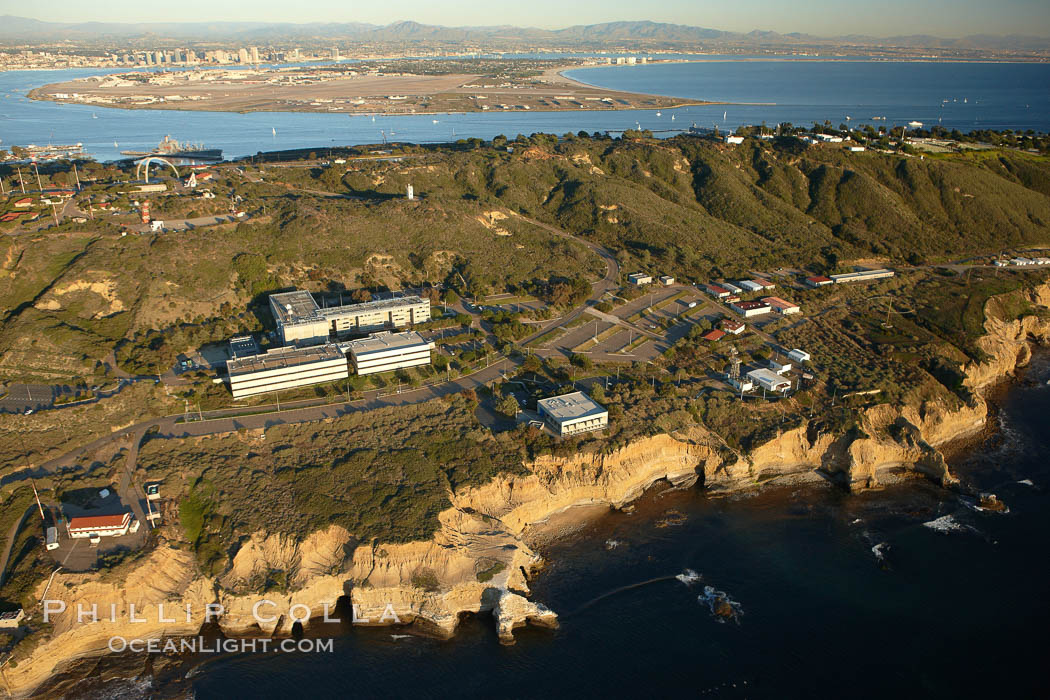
x=383 y=352
x=570 y=414
x=286 y=368
x=301 y=321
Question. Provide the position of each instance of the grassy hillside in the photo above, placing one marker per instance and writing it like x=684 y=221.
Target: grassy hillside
x=689 y=207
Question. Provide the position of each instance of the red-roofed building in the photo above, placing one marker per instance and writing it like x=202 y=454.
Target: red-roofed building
x=713 y=335
x=10 y=216
x=716 y=291
x=750 y=308
x=782 y=306
x=99 y=525
x=731 y=326
x=24 y=202
x=819 y=281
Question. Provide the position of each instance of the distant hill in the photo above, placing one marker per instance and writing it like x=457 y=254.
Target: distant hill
x=641 y=33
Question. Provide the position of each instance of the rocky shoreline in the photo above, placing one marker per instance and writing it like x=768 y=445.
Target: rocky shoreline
x=479 y=559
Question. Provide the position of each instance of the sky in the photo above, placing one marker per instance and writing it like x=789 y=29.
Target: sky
x=945 y=18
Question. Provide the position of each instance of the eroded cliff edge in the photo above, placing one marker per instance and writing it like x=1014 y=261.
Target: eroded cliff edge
x=478 y=560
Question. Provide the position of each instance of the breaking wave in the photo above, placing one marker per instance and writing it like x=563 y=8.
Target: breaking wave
x=688 y=577
x=722 y=607
x=947 y=524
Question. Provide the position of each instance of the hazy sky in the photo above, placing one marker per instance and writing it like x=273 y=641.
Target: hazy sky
x=948 y=18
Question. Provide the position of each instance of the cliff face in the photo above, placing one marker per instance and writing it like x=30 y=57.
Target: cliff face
x=1007 y=342
x=478 y=561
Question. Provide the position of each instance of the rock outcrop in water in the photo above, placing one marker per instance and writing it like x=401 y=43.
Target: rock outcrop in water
x=478 y=560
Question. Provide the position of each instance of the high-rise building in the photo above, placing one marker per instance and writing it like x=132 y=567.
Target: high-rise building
x=255 y=54
x=335 y=53
x=242 y=56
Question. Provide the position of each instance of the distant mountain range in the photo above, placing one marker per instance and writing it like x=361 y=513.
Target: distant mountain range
x=645 y=33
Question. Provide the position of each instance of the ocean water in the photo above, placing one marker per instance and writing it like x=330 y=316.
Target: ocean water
x=907 y=592
x=980 y=95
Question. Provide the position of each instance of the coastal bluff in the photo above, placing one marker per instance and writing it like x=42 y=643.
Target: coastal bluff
x=479 y=560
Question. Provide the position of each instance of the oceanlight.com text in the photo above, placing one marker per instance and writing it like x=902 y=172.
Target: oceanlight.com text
x=200 y=645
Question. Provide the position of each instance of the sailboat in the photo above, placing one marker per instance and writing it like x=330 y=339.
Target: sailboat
x=672 y=117
x=115 y=145
x=373 y=117
x=724 y=115
x=274 y=130
x=94 y=116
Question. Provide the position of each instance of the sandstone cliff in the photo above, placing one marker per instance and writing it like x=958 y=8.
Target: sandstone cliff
x=478 y=560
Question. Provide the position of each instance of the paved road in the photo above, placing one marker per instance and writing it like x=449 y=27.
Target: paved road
x=598 y=289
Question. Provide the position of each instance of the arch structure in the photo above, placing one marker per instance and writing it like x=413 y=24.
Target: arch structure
x=145 y=163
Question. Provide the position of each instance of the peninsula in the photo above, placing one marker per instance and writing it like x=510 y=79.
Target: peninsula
x=402 y=86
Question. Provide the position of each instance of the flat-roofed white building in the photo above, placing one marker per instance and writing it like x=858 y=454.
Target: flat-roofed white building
x=779 y=367
x=286 y=368
x=300 y=320
x=99 y=525
x=383 y=352
x=769 y=380
x=573 y=413
x=639 y=278
x=862 y=276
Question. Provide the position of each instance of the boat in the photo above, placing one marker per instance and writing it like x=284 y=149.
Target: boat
x=435 y=121
x=914 y=125
x=170 y=148
x=274 y=130
x=658 y=114
x=672 y=117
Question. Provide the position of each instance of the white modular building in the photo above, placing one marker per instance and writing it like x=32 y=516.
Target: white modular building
x=286 y=368
x=862 y=276
x=769 y=380
x=573 y=413
x=301 y=320
x=799 y=355
x=639 y=278
x=383 y=352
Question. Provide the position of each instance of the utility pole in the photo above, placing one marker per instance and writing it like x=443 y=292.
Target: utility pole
x=76 y=175
x=21 y=181
x=38 y=183
x=200 y=415
x=54 y=213
x=278 y=395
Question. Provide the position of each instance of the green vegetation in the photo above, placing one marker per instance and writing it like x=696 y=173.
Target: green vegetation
x=383 y=474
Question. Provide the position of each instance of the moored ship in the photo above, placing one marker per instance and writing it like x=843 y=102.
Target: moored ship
x=170 y=148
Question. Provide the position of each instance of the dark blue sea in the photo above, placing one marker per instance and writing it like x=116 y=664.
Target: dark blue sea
x=908 y=592
x=801 y=91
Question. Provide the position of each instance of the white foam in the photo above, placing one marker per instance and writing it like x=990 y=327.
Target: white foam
x=879 y=551
x=715 y=600
x=612 y=544
x=688 y=577
x=400 y=636
x=1026 y=482
x=946 y=524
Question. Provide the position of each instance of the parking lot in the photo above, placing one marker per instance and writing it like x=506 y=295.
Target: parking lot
x=80 y=554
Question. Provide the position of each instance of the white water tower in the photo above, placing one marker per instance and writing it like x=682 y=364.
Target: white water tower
x=411 y=193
